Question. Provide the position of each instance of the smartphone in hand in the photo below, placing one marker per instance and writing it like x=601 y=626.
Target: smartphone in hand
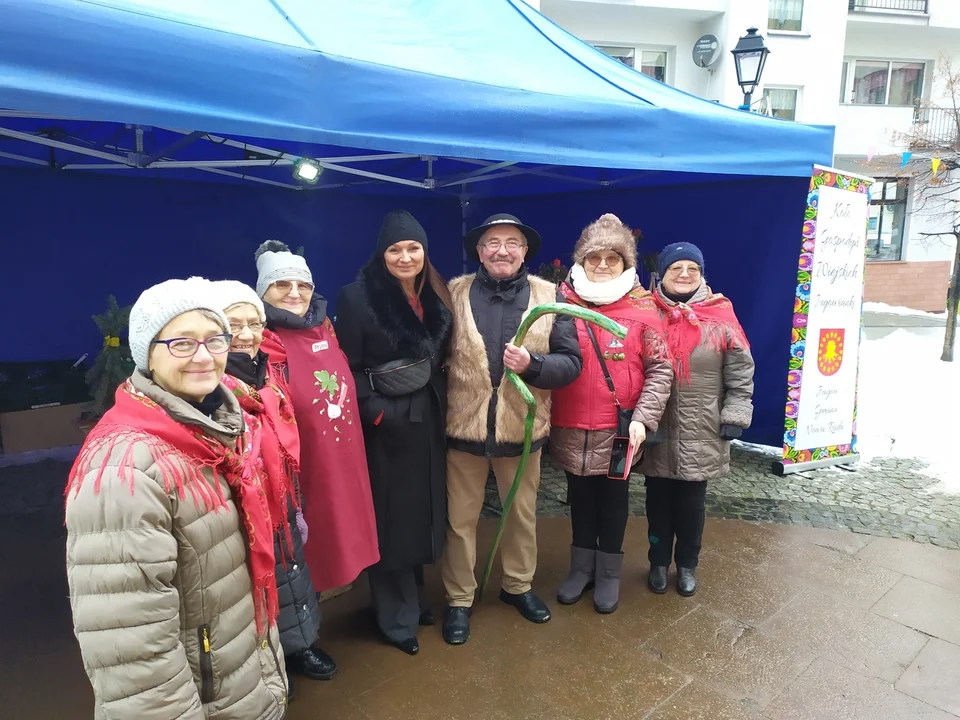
x=621 y=459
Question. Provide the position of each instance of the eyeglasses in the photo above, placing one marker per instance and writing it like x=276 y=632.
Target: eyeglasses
x=187 y=347
x=495 y=245
x=285 y=286
x=691 y=270
x=611 y=259
x=237 y=328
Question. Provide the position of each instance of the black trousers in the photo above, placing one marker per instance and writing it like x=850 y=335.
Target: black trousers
x=397 y=600
x=598 y=512
x=675 y=509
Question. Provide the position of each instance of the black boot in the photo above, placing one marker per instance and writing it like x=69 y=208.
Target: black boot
x=657 y=579
x=456 y=625
x=427 y=618
x=686 y=581
x=312 y=662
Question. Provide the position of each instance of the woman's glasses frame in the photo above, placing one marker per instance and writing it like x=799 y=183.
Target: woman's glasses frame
x=190 y=346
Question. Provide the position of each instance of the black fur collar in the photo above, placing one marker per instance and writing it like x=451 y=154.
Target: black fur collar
x=391 y=312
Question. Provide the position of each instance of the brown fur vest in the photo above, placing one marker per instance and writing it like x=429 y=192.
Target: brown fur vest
x=468 y=379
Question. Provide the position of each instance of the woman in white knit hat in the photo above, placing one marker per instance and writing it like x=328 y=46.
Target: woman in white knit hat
x=334 y=481
x=169 y=536
x=254 y=383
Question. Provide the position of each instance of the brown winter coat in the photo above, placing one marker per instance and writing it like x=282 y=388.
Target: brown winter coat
x=720 y=392
x=150 y=574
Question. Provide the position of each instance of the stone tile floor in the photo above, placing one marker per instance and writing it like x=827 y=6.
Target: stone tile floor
x=790 y=622
x=797 y=617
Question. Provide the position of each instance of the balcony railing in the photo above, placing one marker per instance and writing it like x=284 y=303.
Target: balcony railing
x=935 y=128
x=904 y=6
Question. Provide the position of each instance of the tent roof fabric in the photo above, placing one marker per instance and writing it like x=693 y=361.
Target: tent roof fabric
x=478 y=79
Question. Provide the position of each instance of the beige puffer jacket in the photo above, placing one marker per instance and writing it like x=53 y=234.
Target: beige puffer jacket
x=152 y=577
x=720 y=392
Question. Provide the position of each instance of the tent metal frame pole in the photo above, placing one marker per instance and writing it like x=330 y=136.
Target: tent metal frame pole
x=325 y=163
x=57 y=144
x=540 y=170
x=24 y=158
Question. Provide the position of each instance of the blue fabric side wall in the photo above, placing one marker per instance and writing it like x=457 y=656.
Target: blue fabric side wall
x=749 y=232
x=72 y=239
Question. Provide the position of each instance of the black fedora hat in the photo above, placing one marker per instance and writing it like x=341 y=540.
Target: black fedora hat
x=472 y=237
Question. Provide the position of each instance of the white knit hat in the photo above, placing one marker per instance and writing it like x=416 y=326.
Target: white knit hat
x=160 y=304
x=234 y=292
x=276 y=262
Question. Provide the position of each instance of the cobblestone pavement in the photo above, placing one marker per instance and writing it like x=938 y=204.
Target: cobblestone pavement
x=887 y=497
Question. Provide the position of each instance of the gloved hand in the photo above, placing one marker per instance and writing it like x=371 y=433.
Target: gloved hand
x=730 y=432
x=302 y=527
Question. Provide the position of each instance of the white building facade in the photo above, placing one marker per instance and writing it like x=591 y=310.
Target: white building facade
x=868 y=67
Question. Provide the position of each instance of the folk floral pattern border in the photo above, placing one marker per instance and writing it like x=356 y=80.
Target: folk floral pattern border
x=801 y=311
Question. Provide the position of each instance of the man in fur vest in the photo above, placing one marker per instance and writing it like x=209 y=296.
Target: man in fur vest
x=485 y=416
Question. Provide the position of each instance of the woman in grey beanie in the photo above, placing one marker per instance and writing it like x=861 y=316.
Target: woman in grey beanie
x=169 y=543
x=306 y=356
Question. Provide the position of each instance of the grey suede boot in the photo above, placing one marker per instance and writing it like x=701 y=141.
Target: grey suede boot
x=580 y=578
x=606 y=597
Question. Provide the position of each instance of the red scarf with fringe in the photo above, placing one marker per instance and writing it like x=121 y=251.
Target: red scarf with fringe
x=687 y=327
x=279 y=447
x=182 y=452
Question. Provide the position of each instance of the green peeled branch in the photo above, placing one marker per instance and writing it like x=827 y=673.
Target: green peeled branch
x=575 y=311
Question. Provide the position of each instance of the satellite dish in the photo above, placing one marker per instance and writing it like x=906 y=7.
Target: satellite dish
x=706 y=51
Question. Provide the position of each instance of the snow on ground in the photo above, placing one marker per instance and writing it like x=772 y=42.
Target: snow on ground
x=879 y=307
x=909 y=402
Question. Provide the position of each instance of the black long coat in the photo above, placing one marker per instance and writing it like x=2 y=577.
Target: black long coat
x=405 y=436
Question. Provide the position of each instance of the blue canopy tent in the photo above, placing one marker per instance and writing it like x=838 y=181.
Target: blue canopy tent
x=116 y=114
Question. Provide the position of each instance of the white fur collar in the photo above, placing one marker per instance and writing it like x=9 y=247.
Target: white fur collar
x=602 y=293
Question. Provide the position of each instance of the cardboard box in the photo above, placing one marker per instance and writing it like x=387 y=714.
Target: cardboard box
x=41 y=429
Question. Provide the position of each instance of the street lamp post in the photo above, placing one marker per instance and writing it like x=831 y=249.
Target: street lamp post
x=750 y=55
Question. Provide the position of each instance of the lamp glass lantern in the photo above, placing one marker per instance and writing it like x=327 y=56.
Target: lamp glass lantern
x=750 y=55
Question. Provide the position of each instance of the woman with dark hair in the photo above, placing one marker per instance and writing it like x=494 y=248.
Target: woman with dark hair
x=394 y=325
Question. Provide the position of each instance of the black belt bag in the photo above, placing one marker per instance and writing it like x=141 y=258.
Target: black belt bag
x=400 y=377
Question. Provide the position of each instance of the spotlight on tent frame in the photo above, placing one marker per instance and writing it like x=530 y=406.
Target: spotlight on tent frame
x=307 y=171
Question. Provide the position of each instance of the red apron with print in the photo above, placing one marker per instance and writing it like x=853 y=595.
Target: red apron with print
x=334 y=481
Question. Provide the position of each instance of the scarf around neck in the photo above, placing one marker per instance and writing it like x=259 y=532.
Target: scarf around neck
x=279 y=447
x=182 y=452
x=708 y=320
x=602 y=293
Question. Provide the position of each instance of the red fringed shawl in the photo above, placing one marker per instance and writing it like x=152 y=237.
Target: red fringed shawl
x=712 y=321
x=182 y=452
x=279 y=448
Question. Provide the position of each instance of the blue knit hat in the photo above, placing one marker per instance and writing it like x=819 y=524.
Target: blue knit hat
x=678 y=251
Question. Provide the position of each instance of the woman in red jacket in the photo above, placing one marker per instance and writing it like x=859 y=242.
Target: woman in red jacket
x=621 y=392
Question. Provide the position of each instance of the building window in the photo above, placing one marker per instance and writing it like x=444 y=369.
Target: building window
x=785 y=15
x=885 y=82
x=652 y=62
x=781 y=102
x=888 y=214
x=843 y=81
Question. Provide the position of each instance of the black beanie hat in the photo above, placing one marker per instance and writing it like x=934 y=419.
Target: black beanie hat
x=399 y=225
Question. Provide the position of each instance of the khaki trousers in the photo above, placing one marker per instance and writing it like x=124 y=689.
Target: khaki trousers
x=466 y=479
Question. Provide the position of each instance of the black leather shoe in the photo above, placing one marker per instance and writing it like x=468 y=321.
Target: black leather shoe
x=456 y=625
x=657 y=579
x=529 y=605
x=427 y=618
x=686 y=581
x=312 y=662
x=410 y=647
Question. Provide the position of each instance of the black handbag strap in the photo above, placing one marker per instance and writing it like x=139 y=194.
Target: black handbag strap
x=603 y=365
